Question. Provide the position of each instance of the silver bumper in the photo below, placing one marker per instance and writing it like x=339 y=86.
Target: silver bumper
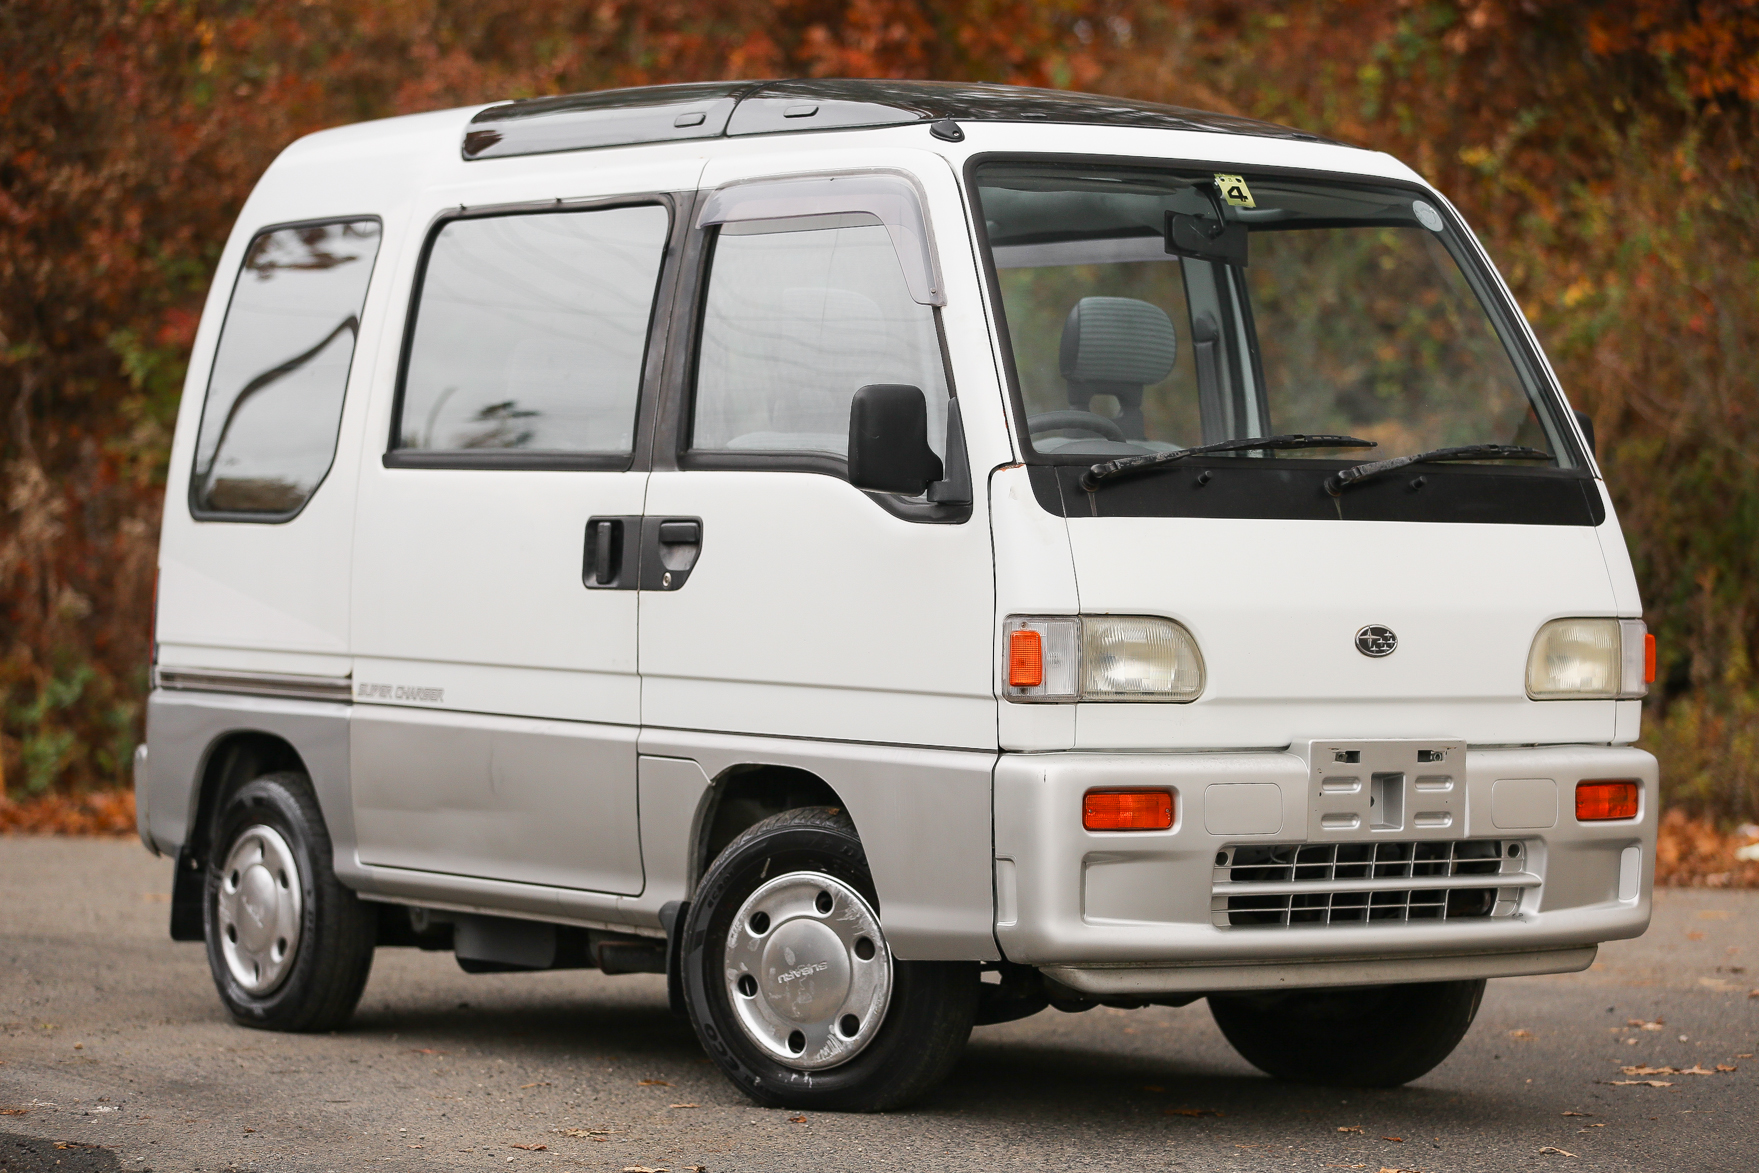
x=1136 y=913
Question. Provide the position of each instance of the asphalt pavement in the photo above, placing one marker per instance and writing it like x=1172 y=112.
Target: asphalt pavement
x=116 y=1054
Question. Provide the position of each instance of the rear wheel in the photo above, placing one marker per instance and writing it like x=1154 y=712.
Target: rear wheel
x=1366 y=1036
x=791 y=986
x=289 y=947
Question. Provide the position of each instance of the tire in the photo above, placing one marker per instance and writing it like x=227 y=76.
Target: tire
x=1370 y=1036
x=882 y=1031
x=289 y=947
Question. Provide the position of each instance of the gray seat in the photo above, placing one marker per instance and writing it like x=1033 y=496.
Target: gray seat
x=1116 y=346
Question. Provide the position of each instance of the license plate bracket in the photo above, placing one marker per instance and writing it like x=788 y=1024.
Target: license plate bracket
x=1405 y=788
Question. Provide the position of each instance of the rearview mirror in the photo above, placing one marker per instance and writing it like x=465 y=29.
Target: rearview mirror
x=888 y=441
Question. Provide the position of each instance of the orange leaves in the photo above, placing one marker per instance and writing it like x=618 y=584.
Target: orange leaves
x=1715 y=43
x=1692 y=853
x=101 y=812
x=130 y=135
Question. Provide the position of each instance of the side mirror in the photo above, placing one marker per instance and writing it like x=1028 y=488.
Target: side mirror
x=888 y=441
x=1587 y=423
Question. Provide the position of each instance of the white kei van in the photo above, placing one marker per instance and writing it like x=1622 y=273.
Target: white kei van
x=891 y=556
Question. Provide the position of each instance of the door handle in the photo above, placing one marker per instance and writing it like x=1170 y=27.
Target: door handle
x=609 y=561
x=670 y=547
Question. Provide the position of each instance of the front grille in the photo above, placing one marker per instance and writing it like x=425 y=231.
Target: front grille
x=1284 y=884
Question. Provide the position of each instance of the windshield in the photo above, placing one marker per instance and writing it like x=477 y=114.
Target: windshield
x=1155 y=310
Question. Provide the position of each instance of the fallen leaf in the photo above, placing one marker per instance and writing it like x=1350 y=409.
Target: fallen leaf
x=415 y=1146
x=651 y=1083
x=424 y=1051
x=797 y=1120
x=1578 y=1113
x=1520 y=1034
x=530 y=1148
x=1352 y=1129
x=1697 y=1069
x=583 y=1133
x=1638 y=1022
x=1726 y=1067
x=524 y=1086
x=642 y=1169
x=683 y=1105
x=1647 y=1070
x=14 y=1111
x=1191 y=1112
x=1557 y=1152
x=1636 y=1082
x=1399 y=1139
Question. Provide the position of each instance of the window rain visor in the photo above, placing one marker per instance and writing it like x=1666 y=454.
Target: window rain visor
x=1156 y=310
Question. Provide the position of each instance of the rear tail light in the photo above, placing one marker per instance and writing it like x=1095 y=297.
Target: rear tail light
x=1127 y=810
x=1600 y=800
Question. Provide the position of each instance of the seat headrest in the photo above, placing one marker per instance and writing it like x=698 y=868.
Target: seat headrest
x=1117 y=341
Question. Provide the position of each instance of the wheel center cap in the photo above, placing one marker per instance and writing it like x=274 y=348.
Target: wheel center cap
x=256 y=901
x=805 y=971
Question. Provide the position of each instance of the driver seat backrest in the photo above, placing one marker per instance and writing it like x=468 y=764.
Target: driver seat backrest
x=1116 y=346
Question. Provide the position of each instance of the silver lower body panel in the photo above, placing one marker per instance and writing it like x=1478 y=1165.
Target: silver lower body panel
x=1148 y=981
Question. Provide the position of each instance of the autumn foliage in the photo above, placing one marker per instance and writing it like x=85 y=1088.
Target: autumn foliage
x=1603 y=151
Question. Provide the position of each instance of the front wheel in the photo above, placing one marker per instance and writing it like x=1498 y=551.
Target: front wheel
x=1369 y=1036
x=290 y=947
x=790 y=984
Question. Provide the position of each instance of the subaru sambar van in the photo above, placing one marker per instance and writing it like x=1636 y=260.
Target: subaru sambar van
x=891 y=557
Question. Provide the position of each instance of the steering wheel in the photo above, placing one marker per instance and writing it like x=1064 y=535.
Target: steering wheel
x=1074 y=420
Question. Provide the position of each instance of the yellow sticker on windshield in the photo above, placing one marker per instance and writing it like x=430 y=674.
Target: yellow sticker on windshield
x=1235 y=191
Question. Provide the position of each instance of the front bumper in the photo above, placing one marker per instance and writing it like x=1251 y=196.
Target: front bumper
x=1132 y=914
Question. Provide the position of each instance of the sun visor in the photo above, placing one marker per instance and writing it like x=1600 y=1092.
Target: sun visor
x=893 y=199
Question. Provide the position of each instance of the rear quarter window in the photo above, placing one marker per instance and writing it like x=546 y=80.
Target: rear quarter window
x=274 y=398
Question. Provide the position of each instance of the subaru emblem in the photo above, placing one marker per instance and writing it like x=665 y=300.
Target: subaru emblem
x=1376 y=640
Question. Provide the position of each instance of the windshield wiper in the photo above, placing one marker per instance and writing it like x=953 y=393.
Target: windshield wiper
x=1106 y=470
x=1339 y=481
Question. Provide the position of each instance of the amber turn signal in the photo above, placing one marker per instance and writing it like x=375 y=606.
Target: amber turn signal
x=1127 y=810
x=1596 y=801
x=1025 y=659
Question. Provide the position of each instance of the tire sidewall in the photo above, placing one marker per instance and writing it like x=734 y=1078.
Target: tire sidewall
x=769 y=849
x=272 y=801
x=1377 y=1036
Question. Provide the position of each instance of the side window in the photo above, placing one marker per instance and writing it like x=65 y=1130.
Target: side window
x=530 y=331
x=799 y=315
x=274 y=401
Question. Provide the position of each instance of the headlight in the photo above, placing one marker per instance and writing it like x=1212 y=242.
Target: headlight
x=1586 y=659
x=1101 y=658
